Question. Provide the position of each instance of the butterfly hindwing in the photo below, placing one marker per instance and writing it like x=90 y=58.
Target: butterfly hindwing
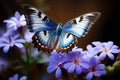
x=67 y=40
x=37 y=20
x=81 y=25
x=41 y=39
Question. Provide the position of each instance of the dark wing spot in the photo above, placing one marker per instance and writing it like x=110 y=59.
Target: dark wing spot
x=68 y=35
x=45 y=18
x=45 y=33
x=74 y=21
x=39 y=14
x=81 y=18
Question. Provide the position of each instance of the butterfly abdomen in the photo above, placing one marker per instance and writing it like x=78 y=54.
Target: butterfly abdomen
x=59 y=29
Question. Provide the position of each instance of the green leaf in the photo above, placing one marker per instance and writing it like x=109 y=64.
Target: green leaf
x=18 y=67
x=24 y=59
x=41 y=59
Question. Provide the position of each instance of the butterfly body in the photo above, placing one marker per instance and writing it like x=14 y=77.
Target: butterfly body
x=59 y=29
x=49 y=36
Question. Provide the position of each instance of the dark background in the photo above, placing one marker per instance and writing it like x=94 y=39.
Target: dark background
x=105 y=29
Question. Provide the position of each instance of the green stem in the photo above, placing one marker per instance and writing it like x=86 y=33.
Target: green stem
x=28 y=64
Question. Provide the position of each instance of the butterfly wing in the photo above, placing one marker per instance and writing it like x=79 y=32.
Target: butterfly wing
x=81 y=25
x=41 y=40
x=37 y=20
x=66 y=41
x=42 y=25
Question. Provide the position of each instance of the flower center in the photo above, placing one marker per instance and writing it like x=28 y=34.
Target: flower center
x=105 y=50
x=76 y=61
x=93 y=69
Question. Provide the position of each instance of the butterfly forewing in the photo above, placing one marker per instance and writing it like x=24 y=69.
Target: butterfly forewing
x=37 y=20
x=80 y=26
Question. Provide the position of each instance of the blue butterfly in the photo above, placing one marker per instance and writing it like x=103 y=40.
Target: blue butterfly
x=49 y=36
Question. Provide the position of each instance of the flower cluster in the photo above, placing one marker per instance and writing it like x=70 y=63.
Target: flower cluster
x=16 y=35
x=13 y=36
x=80 y=61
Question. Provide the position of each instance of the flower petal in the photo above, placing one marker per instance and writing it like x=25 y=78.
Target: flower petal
x=10 y=78
x=93 y=61
x=23 y=23
x=89 y=76
x=20 y=41
x=14 y=19
x=17 y=15
x=97 y=73
x=114 y=47
x=109 y=44
x=100 y=66
x=77 y=49
x=114 y=50
x=90 y=48
x=22 y=18
x=23 y=78
x=16 y=36
x=78 y=69
x=102 y=56
x=19 y=45
x=67 y=65
x=102 y=72
x=2 y=44
x=71 y=68
x=51 y=69
x=58 y=73
x=15 y=77
x=96 y=43
x=6 y=48
x=8 y=21
x=12 y=25
x=111 y=56
x=84 y=65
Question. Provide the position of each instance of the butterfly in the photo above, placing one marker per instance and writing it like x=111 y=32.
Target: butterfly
x=51 y=36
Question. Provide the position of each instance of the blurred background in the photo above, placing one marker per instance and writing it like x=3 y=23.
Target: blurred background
x=105 y=29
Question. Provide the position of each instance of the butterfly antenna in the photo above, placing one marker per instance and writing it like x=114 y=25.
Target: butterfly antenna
x=55 y=13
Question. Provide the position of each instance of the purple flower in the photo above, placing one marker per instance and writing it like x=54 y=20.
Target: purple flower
x=28 y=36
x=10 y=41
x=8 y=32
x=76 y=49
x=16 y=21
x=15 y=77
x=106 y=49
x=95 y=69
x=75 y=62
x=55 y=63
x=90 y=52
